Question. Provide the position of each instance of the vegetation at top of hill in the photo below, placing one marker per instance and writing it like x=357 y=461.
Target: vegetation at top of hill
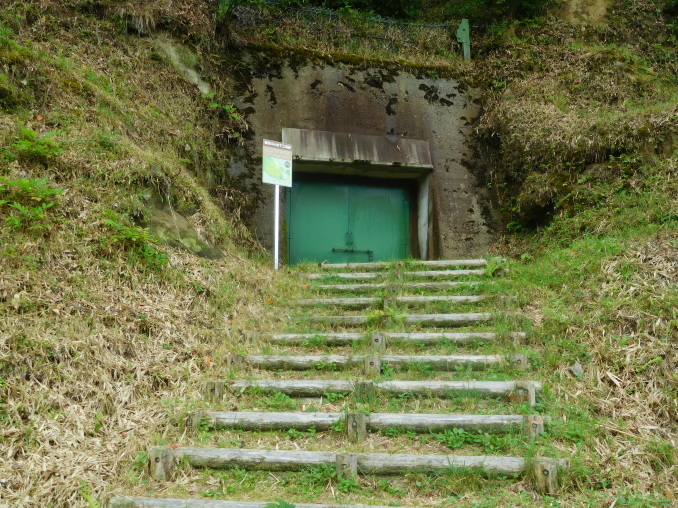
x=415 y=10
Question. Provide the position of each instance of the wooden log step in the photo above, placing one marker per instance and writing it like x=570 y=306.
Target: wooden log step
x=444 y=273
x=294 y=388
x=334 y=320
x=465 y=337
x=461 y=319
x=339 y=302
x=520 y=391
x=433 y=286
x=410 y=300
x=147 y=502
x=449 y=319
x=374 y=421
x=446 y=388
x=252 y=420
x=374 y=275
x=331 y=339
x=351 y=276
x=343 y=339
x=293 y=362
x=378 y=265
x=403 y=300
x=163 y=460
x=367 y=463
x=452 y=362
x=436 y=362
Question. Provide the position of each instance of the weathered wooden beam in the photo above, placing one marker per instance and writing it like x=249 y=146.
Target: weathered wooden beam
x=414 y=300
x=385 y=463
x=444 y=273
x=334 y=320
x=442 y=285
x=453 y=337
x=367 y=463
x=146 y=502
x=267 y=460
x=433 y=286
x=253 y=420
x=338 y=302
x=331 y=339
x=451 y=362
x=441 y=422
x=461 y=319
x=351 y=276
x=292 y=362
x=387 y=302
x=294 y=388
x=447 y=388
x=352 y=287
x=440 y=263
x=312 y=388
x=435 y=362
x=449 y=319
x=348 y=338
x=414 y=273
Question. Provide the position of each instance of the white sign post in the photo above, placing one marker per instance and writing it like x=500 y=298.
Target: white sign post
x=277 y=170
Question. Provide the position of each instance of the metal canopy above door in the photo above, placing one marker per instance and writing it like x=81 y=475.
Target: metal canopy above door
x=345 y=223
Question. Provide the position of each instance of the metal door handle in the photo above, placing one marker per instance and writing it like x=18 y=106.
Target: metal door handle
x=370 y=253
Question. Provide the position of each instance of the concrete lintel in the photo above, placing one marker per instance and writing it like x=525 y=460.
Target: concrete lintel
x=326 y=146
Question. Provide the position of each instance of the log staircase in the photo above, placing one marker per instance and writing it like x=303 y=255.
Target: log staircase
x=375 y=332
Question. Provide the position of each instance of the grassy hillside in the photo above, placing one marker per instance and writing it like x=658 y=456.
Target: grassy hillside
x=106 y=333
x=101 y=325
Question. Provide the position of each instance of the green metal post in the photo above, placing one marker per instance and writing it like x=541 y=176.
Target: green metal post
x=464 y=37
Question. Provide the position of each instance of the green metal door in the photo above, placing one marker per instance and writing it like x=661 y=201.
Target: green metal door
x=346 y=223
x=378 y=222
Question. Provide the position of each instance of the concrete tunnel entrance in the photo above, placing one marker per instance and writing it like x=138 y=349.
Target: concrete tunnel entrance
x=374 y=126
x=357 y=198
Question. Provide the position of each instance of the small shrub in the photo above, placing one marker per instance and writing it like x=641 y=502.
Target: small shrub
x=137 y=240
x=32 y=147
x=27 y=202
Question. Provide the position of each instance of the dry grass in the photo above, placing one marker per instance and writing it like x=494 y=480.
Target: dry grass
x=94 y=341
x=350 y=36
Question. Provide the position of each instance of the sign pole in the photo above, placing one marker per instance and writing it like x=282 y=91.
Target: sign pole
x=276 y=240
x=276 y=170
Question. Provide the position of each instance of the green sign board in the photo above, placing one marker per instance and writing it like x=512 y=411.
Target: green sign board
x=277 y=163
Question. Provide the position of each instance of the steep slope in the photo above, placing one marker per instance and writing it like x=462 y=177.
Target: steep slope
x=99 y=322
